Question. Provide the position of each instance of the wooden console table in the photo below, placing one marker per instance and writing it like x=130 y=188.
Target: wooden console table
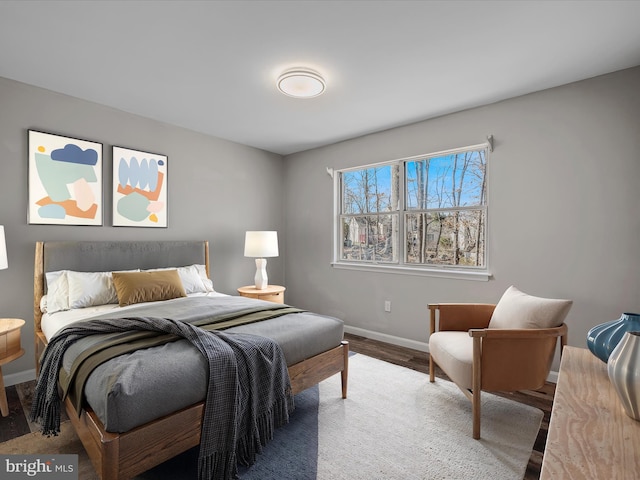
x=590 y=436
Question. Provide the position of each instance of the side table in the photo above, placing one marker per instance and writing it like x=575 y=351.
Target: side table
x=10 y=349
x=272 y=293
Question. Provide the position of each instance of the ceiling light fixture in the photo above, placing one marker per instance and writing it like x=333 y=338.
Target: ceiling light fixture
x=301 y=83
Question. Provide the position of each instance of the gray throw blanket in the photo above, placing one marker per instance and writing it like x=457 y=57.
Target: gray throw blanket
x=248 y=396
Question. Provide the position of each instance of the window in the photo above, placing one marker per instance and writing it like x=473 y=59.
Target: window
x=425 y=212
x=370 y=214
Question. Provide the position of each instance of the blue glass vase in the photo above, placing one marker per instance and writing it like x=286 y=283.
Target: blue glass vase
x=603 y=338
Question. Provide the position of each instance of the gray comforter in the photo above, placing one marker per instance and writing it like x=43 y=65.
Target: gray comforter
x=141 y=386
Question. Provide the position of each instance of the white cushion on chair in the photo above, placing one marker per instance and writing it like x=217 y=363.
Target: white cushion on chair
x=453 y=352
x=516 y=309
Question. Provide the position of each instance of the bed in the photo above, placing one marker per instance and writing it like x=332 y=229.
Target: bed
x=121 y=448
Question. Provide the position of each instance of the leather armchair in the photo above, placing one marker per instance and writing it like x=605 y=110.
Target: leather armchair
x=476 y=357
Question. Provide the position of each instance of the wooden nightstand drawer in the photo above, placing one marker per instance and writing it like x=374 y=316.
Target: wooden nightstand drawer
x=273 y=293
x=275 y=297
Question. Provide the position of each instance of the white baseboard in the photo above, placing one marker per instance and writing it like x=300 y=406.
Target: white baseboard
x=404 y=342
x=383 y=337
x=20 y=377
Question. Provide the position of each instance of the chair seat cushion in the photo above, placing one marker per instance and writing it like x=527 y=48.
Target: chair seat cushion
x=516 y=309
x=453 y=352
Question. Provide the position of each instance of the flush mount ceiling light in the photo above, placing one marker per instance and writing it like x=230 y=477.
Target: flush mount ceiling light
x=301 y=83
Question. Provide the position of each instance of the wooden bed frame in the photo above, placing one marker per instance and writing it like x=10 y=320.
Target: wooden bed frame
x=118 y=456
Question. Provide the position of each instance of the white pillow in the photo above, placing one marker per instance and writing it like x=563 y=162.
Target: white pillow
x=57 y=291
x=87 y=289
x=191 y=280
x=208 y=283
x=67 y=289
x=516 y=309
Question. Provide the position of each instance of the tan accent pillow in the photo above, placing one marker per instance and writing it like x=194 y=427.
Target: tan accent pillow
x=516 y=309
x=139 y=287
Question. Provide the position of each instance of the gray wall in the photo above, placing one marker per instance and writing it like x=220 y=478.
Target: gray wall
x=563 y=211
x=216 y=190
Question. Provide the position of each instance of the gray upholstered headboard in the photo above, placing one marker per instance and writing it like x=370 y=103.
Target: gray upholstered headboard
x=125 y=255
x=85 y=256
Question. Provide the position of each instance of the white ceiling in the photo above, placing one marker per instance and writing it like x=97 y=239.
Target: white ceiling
x=210 y=66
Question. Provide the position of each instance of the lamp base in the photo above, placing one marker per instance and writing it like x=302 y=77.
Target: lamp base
x=261 y=278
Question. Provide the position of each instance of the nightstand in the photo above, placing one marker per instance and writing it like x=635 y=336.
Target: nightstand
x=273 y=293
x=10 y=349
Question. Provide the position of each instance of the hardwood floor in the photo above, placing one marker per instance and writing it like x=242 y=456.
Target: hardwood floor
x=417 y=360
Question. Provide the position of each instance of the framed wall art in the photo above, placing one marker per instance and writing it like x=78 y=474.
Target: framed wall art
x=65 y=180
x=139 y=188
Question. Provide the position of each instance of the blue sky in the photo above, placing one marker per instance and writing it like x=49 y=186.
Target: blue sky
x=440 y=176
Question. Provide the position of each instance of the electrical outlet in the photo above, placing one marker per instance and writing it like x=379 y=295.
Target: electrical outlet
x=387 y=305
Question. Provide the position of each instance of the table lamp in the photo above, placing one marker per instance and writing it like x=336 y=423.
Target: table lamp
x=261 y=245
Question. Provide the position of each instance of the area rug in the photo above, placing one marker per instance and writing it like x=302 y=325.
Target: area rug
x=393 y=425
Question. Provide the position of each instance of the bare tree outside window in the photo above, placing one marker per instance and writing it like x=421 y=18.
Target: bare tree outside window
x=370 y=213
x=446 y=210
x=436 y=202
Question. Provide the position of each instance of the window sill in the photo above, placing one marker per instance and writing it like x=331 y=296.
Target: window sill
x=480 y=276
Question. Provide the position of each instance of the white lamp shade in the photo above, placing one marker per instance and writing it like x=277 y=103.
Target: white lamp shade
x=3 y=250
x=261 y=244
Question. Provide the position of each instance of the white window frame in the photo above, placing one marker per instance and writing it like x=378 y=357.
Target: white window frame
x=402 y=268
